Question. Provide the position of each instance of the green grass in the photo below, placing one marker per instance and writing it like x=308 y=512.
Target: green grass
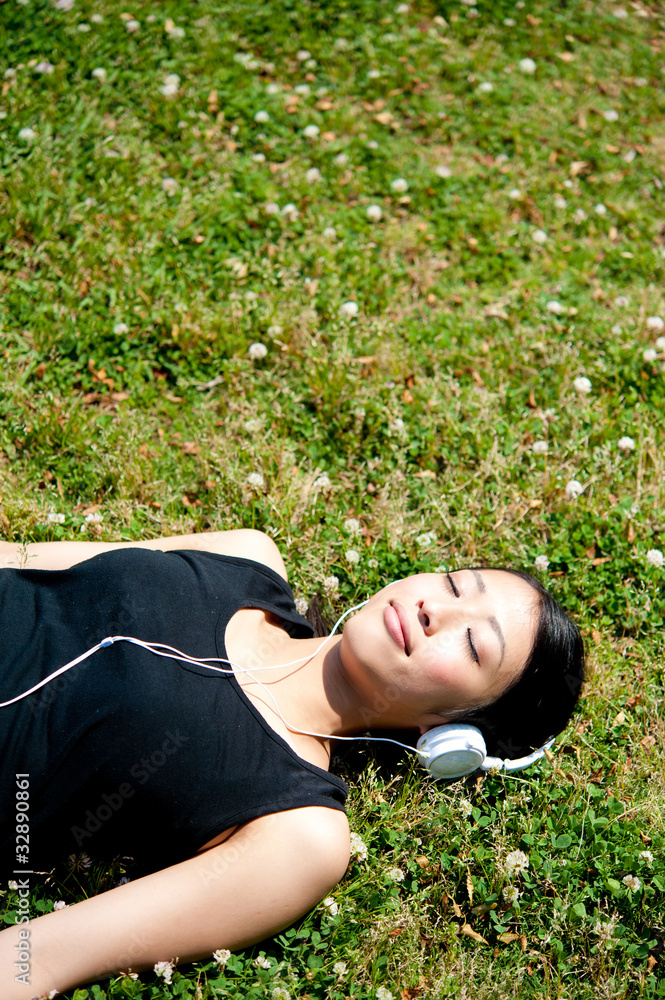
x=127 y=310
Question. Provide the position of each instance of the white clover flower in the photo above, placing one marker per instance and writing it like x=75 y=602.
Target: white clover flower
x=99 y=73
x=164 y=970
x=510 y=895
x=632 y=882
x=60 y=905
x=340 y=969
x=640 y=81
x=617 y=330
x=271 y=208
x=573 y=489
x=515 y=194
x=27 y=134
x=626 y=444
x=352 y=525
x=311 y=131
x=660 y=343
x=509 y=22
x=302 y=605
x=579 y=216
x=622 y=302
x=169 y=186
x=539 y=236
x=650 y=355
x=441 y=170
x=290 y=212
x=540 y=447
x=352 y=556
x=396 y=875
x=374 y=213
x=402 y=8
x=12 y=884
x=10 y=74
x=541 y=563
x=172 y=78
x=341 y=160
x=95 y=518
x=44 y=67
x=322 y=482
x=604 y=929
x=132 y=25
x=255 y=479
x=280 y=993
x=516 y=862
x=427 y=537
x=600 y=209
x=397 y=424
x=620 y=13
x=373 y=563
x=120 y=328
x=611 y=115
x=384 y=994
x=330 y=584
x=275 y=330
x=262 y=962
x=64 y=4
x=313 y=175
x=169 y=90
x=302 y=55
x=582 y=384
x=272 y=89
x=259 y=157
x=253 y=426
x=485 y=87
x=331 y=906
x=555 y=307
x=358 y=846
x=374 y=74
x=261 y=117
x=329 y=233
x=221 y=957
x=527 y=66
x=257 y=351
x=655 y=558
x=560 y=202
x=177 y=32
x=399 y=185
x=646 y=857
x=349 y=309
x=655 y=323
x=53 y=518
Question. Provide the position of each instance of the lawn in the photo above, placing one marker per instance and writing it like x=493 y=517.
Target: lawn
x=386 y=281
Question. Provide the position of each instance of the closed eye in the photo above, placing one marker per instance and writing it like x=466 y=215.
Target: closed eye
x=451 y=584
x=472 y=648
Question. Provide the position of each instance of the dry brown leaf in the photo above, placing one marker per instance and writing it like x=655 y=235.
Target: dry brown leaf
x=474 y=935
x=507 y=938
x=577 y=167
x=566 y=57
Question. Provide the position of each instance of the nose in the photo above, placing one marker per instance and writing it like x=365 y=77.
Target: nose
x=433 y=614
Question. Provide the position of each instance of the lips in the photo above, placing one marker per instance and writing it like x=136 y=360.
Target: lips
x=398 y=626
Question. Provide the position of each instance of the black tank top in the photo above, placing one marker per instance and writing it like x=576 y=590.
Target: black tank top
x=128 y=753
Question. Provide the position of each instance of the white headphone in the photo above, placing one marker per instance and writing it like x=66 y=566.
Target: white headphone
x=454 y=751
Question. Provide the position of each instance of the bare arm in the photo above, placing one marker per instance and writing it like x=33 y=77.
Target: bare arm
x=254 y=884
x=61 y=555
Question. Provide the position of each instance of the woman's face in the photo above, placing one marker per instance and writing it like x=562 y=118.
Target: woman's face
x=436 y=643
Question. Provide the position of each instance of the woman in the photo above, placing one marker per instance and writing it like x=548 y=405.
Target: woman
x=218 y=783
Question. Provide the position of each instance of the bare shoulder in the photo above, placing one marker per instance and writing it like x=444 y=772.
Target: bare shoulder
x=248 y=543
x=319 y=834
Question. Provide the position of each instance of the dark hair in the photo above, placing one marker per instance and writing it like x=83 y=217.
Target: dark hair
x=541 y=702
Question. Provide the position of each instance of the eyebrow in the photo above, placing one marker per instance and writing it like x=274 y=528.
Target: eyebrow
x=480 y=583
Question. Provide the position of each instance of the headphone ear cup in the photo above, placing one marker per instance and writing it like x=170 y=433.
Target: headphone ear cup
x=451 y=751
